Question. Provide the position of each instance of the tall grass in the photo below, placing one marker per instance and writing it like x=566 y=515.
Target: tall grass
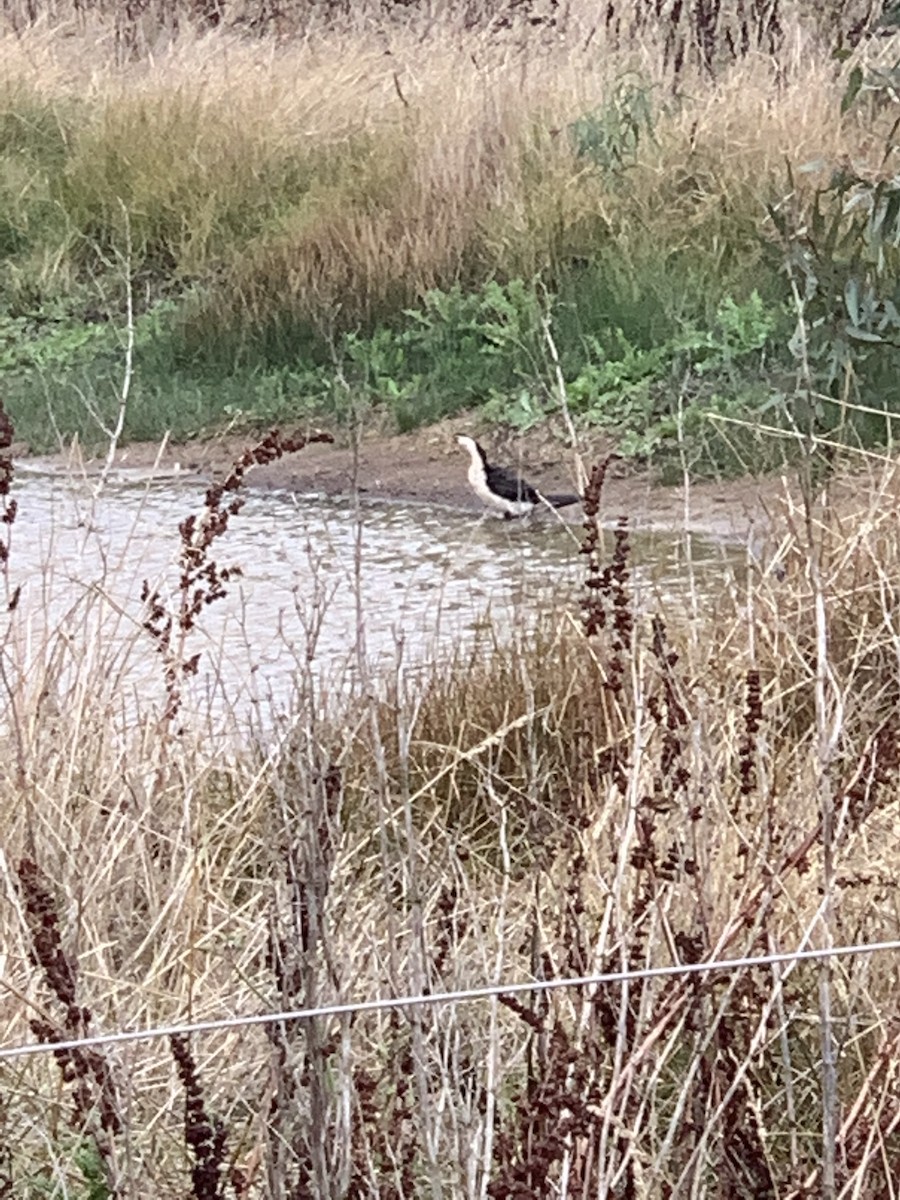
x=625 y=786
x=358 y=172
x=276 y=192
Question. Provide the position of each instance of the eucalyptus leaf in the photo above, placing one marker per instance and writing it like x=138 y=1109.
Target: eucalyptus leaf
x=854 y=84
x=862 y=335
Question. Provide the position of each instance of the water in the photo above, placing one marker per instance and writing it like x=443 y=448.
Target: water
x=328 y=590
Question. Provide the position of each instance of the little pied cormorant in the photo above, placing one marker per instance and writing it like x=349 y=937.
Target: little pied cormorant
x=505 y=489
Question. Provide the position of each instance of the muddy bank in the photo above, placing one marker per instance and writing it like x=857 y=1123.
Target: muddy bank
x=427 y=466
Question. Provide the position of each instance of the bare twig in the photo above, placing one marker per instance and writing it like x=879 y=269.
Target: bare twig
x=114 y=432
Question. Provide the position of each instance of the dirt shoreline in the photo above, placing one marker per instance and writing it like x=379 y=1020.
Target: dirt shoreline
x=427 y=466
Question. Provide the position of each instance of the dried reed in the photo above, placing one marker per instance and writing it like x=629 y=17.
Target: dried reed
x=512 y=816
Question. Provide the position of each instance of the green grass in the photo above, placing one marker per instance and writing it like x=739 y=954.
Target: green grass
x=313 y=232
x=455 y=350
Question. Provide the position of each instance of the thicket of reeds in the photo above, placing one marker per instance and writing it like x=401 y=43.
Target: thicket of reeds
x=273 y=180
x=332 y=179
x=710 y=774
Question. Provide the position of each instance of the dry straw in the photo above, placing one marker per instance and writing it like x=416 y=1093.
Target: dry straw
x=332 y=178
x=628 y=799
x=622 y=791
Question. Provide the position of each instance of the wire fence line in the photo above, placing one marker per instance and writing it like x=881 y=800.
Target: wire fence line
x=465 y=995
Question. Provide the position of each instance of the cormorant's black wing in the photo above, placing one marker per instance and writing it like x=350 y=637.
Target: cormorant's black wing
x=509 y=485
x=562 y=499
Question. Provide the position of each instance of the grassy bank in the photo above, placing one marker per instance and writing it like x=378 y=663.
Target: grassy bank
x=709 y=776
x=337 y=216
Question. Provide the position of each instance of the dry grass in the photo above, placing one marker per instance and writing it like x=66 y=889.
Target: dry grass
x=648 y=793
x=335 y=177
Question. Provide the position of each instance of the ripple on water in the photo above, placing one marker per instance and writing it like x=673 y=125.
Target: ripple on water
x=322 y=582
x=320 y=579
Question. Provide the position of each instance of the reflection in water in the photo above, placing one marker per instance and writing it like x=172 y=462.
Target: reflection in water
x=324 y=586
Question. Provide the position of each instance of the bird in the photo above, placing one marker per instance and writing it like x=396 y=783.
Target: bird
x=504 y=489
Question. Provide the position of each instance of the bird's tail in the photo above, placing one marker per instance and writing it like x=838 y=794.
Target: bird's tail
x=562 y=500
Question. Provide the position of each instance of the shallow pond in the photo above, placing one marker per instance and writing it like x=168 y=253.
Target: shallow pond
x=328 y=587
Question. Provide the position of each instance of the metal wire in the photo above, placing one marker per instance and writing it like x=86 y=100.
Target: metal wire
x=432 y=998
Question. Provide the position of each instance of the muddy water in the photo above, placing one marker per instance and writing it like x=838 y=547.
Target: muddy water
x=328 y=588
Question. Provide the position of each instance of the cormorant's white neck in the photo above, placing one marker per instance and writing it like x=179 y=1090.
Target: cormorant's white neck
x=479 y=458
x=480 y=481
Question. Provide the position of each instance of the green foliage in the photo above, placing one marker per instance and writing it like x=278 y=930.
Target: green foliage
x=18 y=351
x=455 y=350
x=90 y=1164
x=644 y=393
x=256 y=302
x=841 y=254
x=659 y=323
x=89 y=1181
x=33 y=146
x=608 y=137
